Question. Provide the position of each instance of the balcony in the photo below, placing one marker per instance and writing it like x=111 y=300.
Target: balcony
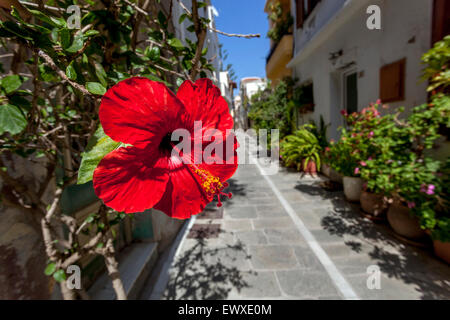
x=278 y=58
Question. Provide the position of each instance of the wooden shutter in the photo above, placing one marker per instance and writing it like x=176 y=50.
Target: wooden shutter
x=392 y=81
x=441 y=20
x=299 y=13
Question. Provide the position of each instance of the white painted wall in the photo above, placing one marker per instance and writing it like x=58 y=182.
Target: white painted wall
x=225 y=88
x=250 y=87
x=211 y=41
x=322 y=13
x=402 y=21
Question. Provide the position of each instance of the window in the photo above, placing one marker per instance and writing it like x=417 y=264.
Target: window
x=392 y=81
x=304 y=9
x=351 y=92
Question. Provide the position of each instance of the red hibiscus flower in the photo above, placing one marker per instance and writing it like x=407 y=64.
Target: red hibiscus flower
x=144 y=113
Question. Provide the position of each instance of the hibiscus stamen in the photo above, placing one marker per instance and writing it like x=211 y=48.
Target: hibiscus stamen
x=210 y=184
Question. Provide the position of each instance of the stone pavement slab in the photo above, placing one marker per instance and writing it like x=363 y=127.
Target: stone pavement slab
x=261 y=253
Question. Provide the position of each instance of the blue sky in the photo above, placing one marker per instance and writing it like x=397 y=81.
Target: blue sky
x=248 y=56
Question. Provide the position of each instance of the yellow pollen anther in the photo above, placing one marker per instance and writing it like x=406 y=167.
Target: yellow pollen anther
x=210 y=183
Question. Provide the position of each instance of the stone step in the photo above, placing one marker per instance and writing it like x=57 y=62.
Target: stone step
x=135 y=265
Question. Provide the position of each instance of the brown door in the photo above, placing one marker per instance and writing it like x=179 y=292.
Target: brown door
x=441 y=20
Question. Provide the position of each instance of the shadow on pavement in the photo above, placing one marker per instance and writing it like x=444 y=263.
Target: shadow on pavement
x=206 y=272
x=404 y=262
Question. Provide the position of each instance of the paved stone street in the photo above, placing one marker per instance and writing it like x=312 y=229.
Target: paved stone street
x=311 y=245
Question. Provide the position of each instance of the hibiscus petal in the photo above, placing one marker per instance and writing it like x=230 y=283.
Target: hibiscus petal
x=225 y=151
x=139 y=111
x=183 y=197
x=131 y=180
x=204 y=102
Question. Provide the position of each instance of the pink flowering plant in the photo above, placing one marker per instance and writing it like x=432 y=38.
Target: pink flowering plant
x=356 y=146
x=400 y=167
x=441 y=227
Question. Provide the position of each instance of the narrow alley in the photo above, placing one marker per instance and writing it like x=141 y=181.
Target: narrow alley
x=284 y=236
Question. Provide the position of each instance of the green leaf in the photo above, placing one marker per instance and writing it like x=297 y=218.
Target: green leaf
x=176 y=43
x=65 y=38
x=70 y=72
x=19 y=101
x=161 y=18
x=12 y=119
x=15 y=29
x=41 y=16
x=59 y=21
x=11 y=83
x=101 y=74
x=90 y=219
x=191 y=28
x=50 y=269
x=85 y=59
x=182 y=17
x=98 y=146
x=95 y=88
x=77 y=44
x=179 y=82
x=154 y=53
x=91 y=33
x=59 y=275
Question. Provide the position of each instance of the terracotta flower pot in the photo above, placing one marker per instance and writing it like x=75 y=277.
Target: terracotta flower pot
x=353 y=188
x=373 y=204
x=310 y=167
x=404 y=223
x=442 y=250
x=335 y=176
x=326 y=170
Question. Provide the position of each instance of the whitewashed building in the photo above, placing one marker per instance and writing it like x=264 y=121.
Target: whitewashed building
x=348 y=65
x=236 y=112
x=248 y=87
x=211 y=41
x=227 y=86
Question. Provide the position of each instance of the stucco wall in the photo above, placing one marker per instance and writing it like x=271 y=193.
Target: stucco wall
x=406 y=32
x=22 y=253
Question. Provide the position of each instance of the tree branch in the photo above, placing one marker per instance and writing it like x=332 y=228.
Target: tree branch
x=200 y=32
x=247 y=36
x=48 y=60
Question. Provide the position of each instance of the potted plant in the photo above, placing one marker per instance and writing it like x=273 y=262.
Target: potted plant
x=331 y=159
x=437 y=219
x=354 y=148
x=320 y=131
x=385 y=147
x=415 y=189
x=436 y=72
x=412 y=179
x=342 y=162
x=302 y=149
x=391 y=173
x=326 y=170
